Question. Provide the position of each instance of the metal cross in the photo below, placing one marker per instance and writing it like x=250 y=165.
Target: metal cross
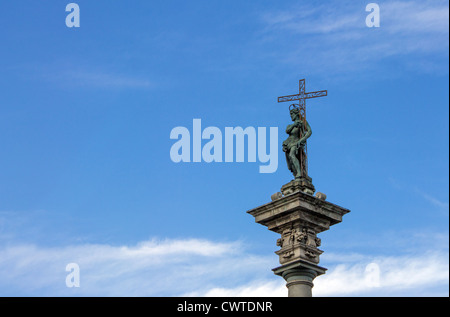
x=302 y=96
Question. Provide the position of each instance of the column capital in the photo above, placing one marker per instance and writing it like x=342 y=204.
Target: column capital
x=298 y=217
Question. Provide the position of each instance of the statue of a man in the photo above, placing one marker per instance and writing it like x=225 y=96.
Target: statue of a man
x=294 y=145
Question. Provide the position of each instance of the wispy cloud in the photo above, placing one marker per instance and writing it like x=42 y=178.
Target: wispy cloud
x=397 y=17
x=68 y=74
x=433 y=200
x=390 y=275
x=398 y=185
x=424 y=17
x=413 y=263
x=150 y=268
x=195 y=267
x=418 y=275
x=334 y=38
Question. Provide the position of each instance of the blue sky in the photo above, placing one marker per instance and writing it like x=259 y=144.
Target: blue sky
x=85 y=119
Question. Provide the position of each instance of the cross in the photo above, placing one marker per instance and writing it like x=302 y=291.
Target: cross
x=302 y=96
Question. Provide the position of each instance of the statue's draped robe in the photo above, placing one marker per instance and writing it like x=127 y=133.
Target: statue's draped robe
x=290 y=144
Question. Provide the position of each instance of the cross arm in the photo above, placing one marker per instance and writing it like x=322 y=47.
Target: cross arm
x=307 y=95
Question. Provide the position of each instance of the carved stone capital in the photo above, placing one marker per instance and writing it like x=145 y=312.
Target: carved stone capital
x=298 y=217
x=298 y=242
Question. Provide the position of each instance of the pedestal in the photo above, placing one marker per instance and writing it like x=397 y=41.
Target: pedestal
x=298 y=217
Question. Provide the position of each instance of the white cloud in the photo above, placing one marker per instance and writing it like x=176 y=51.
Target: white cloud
x=195 y=267
x=312 y=19
x=417 y=16
x=397 y=16
x=151 y=268
x=397 y=275
x=333 y=38
x=393 y=276
x=256 y=288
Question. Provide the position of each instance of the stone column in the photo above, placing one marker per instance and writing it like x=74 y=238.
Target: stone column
x=298 y=217
x=299 y=276
x=299 y=282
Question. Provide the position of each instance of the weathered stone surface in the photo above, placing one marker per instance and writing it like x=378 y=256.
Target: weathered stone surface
x=321 y=196
x=276 y=196
x=299 y=277
x=303 y=184
x=298 y=217
x=298 y=205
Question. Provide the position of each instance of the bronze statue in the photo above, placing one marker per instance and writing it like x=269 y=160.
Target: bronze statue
x=294 y=146
x=299 y=131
